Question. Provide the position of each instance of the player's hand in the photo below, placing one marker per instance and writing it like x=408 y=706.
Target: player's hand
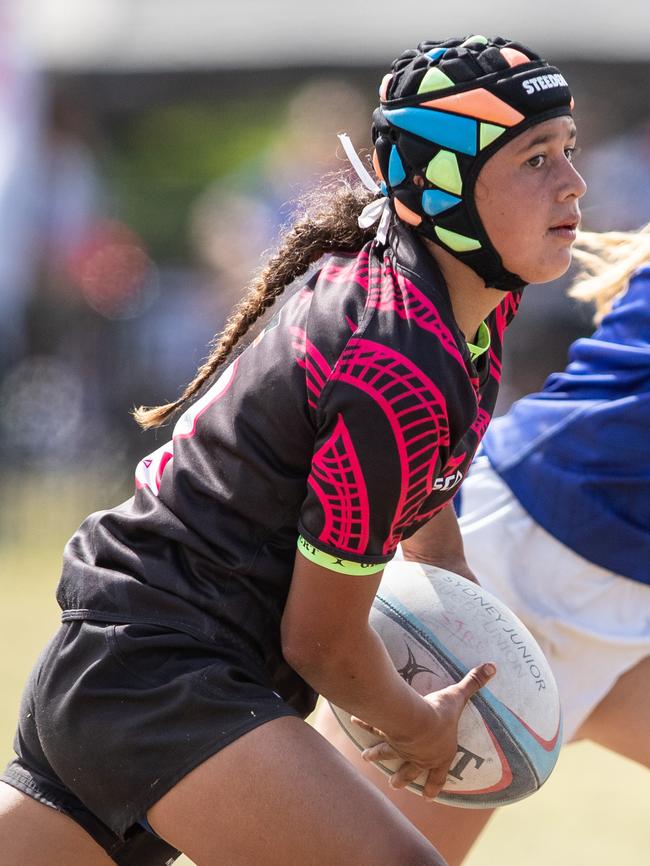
x=433 y=748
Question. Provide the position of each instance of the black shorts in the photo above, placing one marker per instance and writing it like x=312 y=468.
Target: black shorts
x=113 y=716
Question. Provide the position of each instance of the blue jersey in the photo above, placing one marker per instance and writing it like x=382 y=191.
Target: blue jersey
x=577 y=454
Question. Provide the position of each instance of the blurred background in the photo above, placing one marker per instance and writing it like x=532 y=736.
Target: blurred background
x=150 y=153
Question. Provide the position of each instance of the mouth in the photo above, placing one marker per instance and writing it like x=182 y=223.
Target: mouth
x=565 y=229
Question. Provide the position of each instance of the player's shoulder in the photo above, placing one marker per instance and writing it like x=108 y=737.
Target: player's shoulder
x=640 y=283
x=339 y=297
x=628 y=321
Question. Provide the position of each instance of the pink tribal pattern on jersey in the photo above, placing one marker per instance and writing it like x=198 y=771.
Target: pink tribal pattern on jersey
x=410 y=303
x=502 y=315
x=505 y=312
x=416 y=412
x=356 y=272
x=337 y=480
x=495 y=365
x=481 y=423
x=316 y=368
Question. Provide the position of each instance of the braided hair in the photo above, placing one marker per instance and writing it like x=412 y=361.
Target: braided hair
x=327 y=222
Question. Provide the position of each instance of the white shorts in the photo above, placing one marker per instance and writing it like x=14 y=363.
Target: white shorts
x=592 y=624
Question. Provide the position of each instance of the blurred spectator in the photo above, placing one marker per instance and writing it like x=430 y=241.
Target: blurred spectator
x=73 y=196
x=230 y=230
x=236 y=222
x=305 y=148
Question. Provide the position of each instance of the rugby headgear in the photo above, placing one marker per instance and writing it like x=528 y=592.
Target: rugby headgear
x=445 y=109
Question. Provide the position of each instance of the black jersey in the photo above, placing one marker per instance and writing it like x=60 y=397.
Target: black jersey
x=347 y=423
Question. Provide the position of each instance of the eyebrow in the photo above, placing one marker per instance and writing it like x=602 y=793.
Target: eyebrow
x=545 y=138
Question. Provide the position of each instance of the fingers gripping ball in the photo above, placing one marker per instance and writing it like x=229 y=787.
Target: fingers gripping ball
x=437 y=626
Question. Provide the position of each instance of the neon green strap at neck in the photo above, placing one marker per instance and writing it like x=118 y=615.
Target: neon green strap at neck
x=482 y=343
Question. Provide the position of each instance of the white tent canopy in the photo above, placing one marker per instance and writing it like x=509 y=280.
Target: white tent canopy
x=147 y=34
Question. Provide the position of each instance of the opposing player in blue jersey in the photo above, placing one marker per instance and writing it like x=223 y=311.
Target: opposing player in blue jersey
x=202 y=617
x=555 y=519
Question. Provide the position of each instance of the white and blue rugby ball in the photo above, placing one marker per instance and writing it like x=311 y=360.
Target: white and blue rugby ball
x=437 y=625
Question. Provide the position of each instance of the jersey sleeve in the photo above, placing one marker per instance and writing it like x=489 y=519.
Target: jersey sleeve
x=382 y=425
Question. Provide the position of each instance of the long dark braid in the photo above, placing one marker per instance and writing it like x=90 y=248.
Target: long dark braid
x=327 y=222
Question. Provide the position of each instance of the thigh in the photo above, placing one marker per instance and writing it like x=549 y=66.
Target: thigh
x=36 y=835
x=453 y=831
x=621 y=721
x=280 y=794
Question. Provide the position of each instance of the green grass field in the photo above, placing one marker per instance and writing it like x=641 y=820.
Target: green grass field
x=594 y=811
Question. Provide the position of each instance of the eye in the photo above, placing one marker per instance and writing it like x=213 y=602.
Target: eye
x=536 y=161
x=571 y=153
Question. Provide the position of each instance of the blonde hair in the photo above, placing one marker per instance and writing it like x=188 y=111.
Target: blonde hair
x=607 y=261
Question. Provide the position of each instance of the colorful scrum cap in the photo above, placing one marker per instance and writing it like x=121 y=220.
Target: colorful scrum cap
x=445 y=108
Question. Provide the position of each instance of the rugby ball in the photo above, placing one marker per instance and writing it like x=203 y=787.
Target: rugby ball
x=437 y=625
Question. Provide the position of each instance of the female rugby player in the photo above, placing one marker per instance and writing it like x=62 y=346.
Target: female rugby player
x=202 y=617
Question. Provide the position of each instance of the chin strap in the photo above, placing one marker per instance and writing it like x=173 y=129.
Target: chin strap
x=378 y=210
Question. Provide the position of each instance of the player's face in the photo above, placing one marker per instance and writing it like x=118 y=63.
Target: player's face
x=527 y=196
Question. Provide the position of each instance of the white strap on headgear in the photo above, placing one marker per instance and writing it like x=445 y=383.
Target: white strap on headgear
x=379 y=209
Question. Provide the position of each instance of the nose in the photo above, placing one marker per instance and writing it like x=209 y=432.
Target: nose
x=573 y=184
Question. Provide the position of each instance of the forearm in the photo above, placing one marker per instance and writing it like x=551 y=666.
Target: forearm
x=327 y=639
x=360 y=677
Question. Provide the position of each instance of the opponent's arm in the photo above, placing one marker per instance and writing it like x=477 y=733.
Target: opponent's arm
x=439 y=542
x=327 y=639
